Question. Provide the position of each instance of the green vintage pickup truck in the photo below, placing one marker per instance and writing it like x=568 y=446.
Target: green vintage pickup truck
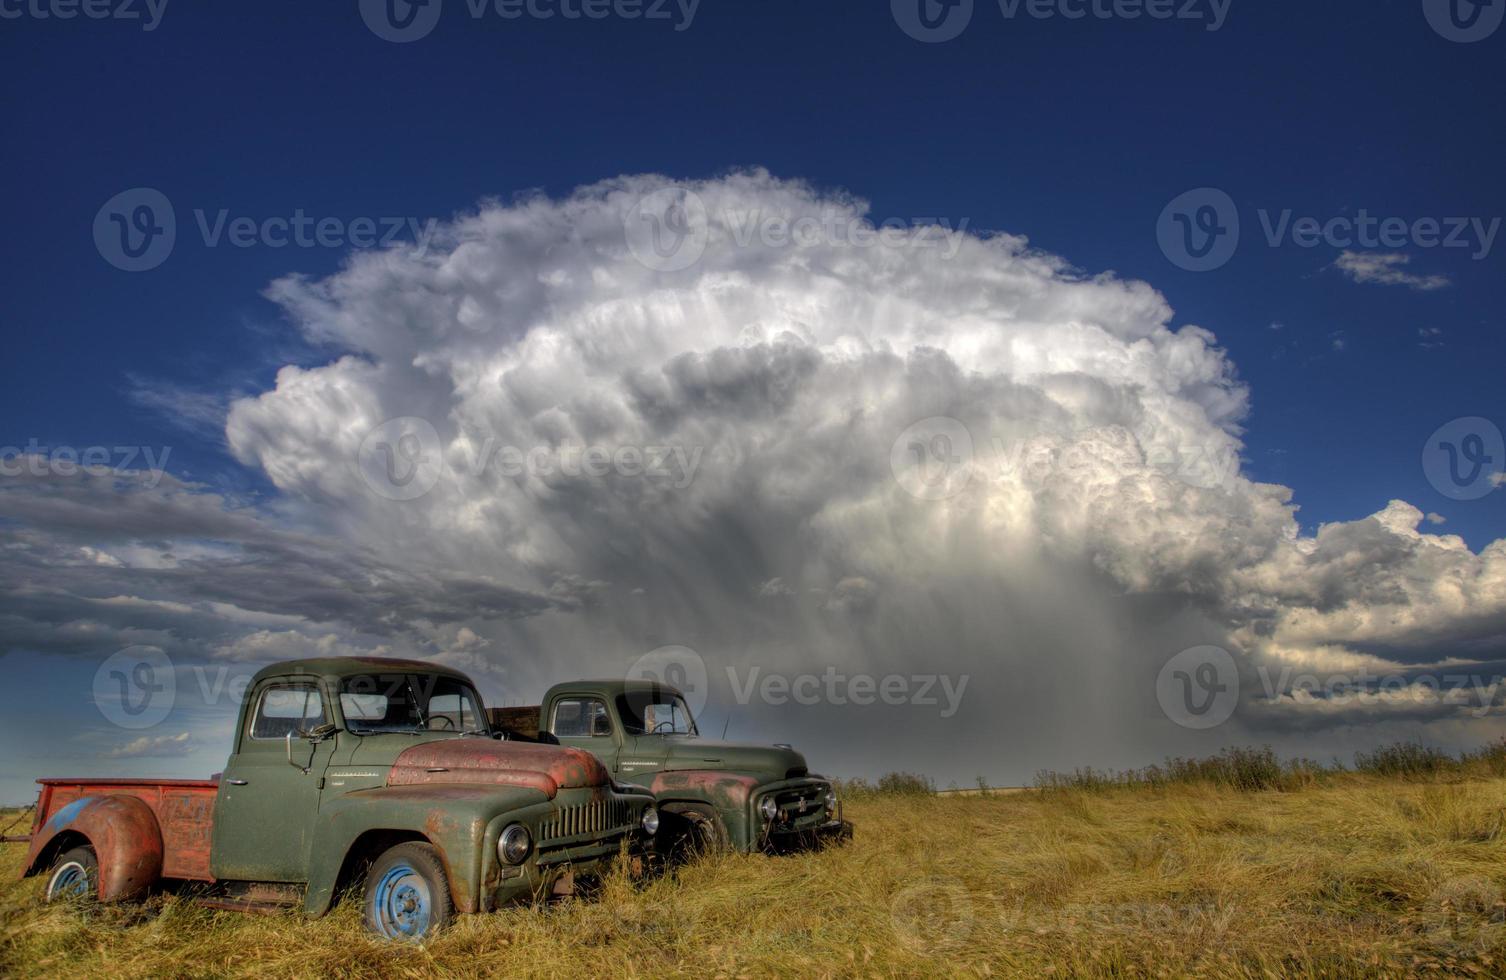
x=375 y=774
x=711 y=794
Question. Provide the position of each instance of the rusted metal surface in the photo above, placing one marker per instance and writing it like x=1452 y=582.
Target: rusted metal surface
x=523 y=720
x=166 y=824
x=257 y=898
x=548 y=768
x=723 y=789
x=123 y=832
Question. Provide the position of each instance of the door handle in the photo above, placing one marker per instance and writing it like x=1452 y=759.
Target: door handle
x=236 y=782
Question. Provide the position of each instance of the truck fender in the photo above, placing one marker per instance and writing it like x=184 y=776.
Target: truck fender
x=124 y=834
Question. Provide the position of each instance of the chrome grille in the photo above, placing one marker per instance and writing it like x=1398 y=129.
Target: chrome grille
x=802 y=805
x=598 y=817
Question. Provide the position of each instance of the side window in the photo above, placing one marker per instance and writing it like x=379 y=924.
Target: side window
x=580 y=718
x=284 y=708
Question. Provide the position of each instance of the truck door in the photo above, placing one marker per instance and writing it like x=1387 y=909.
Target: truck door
x=581 y=721
x=266 y=806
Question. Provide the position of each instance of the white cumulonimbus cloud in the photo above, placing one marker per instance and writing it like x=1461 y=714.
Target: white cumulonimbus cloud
x=728 y=415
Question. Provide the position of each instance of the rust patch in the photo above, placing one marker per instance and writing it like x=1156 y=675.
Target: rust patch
x=440 y=826
x=725 y=790
x=141 y=829
x=548 y=768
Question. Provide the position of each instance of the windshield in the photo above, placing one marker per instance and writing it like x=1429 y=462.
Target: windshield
x=655 y=713
x=410 y=703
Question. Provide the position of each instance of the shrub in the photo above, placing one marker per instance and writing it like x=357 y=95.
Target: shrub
x=1407 y=759
x=889 y=784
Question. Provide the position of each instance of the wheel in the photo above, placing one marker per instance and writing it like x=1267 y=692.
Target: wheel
x=407 y=893
x=75 y=876
x=692 y=831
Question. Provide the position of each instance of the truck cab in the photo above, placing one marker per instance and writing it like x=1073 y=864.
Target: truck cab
x=351 y=772
x=711 y=793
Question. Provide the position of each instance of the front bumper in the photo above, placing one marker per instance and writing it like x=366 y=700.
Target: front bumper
x=578 y=834
x=803 y=820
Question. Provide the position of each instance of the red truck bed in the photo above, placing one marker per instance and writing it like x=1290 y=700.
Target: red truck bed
x=184 y=809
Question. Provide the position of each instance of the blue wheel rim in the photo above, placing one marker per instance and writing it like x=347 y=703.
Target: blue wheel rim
x=401 y=903
x=70 y=881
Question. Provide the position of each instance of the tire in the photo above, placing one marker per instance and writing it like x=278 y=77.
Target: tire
x=691 y=832
x=407 y=894
x=74 y=877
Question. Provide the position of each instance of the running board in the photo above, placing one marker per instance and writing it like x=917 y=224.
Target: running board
x=265 y=898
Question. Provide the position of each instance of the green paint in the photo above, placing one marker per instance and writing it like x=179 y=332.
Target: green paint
x=730 y=777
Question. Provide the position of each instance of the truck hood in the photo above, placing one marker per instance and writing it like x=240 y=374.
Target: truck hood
x=768 y=761
x=548 y=768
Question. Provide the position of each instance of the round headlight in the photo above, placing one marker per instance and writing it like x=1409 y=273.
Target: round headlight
x=650 y=821
x=831 y=801
x=769 y=807
x=514 y=844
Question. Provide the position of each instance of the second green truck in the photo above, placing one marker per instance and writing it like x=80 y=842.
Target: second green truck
x=711 y=794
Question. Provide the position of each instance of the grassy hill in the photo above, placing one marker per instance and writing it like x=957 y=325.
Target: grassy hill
x=1331 y=874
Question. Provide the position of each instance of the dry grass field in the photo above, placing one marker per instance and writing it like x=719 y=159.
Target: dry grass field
x=1349 y=875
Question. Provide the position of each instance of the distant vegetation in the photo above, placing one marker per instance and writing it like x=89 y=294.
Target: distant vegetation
x=1250 y=770
x=891 y=784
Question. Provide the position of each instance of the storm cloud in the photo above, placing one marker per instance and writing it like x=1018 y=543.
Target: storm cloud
x=634 y=423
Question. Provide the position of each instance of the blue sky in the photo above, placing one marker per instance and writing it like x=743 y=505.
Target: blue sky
x=1075 y=133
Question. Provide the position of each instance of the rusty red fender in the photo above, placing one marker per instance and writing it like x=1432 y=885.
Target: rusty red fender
x=124 y=834
x=548 y=768
x=724 y=789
